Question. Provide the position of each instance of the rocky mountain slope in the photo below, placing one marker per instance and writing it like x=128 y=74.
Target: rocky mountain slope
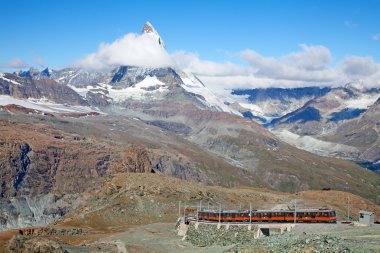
x=49 y=164
x=264 y=105
x=362 y=133
x=24 y=88
x=316 y=119
x=316 y=125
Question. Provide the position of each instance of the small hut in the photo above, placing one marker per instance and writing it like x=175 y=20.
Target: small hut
x=366 y=217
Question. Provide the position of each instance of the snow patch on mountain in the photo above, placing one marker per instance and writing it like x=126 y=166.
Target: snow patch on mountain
x=8 y=100
x=253 y=108
x=150 y=87
x=83 y=90
x=193 y=85
x=147 y=88
x=2 y=76
x=44 y=105
x=313 y=145
x=362 y=102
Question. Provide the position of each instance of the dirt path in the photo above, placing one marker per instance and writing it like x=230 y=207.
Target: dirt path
x=157 y=238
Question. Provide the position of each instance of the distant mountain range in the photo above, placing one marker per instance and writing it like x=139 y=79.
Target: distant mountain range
x=311 y=118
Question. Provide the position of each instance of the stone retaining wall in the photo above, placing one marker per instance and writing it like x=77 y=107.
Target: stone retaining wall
x=207 y=234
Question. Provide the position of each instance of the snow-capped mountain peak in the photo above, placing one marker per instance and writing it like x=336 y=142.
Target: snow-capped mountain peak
x=149 y=29
x=47 y=72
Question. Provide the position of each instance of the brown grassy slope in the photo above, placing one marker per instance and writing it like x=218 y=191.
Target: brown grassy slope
x=135 y=199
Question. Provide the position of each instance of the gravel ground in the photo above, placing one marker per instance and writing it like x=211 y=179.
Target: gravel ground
x=326 y=238
x=157 y=238
x=162 y=237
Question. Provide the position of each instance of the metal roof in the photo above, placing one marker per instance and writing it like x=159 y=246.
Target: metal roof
x=264 y=211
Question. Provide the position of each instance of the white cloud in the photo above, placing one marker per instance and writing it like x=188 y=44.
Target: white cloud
x=360 y=69
x=355 y=66
x=310 y=58
x=311 y=65
x=14 y=64
x=131 y=49
x=191 y=62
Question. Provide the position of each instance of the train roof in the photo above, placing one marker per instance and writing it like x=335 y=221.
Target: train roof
x=270 y=211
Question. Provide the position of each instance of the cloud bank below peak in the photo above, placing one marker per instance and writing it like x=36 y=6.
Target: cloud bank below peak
x=131 y=49
x=311 y=65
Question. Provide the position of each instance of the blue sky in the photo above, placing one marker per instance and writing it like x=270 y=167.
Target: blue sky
x=57 y=33
x=61 y=31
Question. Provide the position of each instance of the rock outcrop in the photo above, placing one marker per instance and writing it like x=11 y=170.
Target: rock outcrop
x=25 y=244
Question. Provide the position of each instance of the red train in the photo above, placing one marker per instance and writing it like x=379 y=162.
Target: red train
x=302 y=215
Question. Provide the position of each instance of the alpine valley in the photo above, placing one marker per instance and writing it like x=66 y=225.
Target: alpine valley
x=71 y=141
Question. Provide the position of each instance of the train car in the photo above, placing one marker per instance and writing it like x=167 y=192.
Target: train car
x=302 y=215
